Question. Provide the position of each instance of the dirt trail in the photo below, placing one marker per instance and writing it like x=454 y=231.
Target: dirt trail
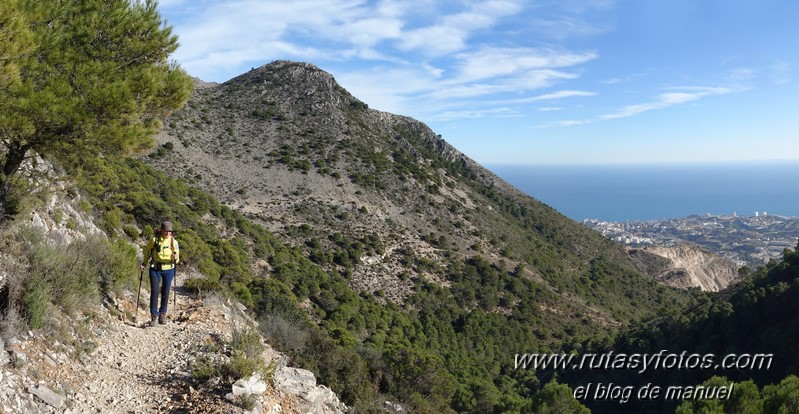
x=135 y=368
x=129 y=367
x=138 y=369
x=105 y=362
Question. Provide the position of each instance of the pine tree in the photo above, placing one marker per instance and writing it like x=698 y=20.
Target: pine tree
x=95 y=81
x=15 y=40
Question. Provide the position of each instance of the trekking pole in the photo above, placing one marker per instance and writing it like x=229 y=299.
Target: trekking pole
x=141 y=276
x=175 y=291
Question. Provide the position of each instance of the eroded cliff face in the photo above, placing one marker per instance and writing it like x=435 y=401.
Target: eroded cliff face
x=686 y=266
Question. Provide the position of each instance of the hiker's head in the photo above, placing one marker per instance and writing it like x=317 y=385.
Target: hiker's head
x=166 y=226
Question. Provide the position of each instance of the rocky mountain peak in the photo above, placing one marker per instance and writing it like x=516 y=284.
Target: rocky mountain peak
x=302 y=85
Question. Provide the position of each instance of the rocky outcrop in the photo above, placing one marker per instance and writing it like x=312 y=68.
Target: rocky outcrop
x=59 y=219
x=316 y=399
x=61 y=222
x=686 y=266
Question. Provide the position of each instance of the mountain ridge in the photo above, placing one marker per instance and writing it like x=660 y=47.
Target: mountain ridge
x=294 y=151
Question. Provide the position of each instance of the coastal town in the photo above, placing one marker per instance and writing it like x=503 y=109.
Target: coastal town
x=750 y=240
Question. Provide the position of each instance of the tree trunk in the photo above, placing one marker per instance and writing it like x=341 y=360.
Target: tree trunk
x=14 y=158
x=4 y=185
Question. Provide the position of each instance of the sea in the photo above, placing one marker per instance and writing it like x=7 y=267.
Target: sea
x=624 y=193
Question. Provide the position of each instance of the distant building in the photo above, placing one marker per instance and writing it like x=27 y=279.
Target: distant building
x=757 y=214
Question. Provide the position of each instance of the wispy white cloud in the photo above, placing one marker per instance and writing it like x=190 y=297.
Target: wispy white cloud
x=562 y=94
x=633 y=77
x=584 y=6
x=451 y=32
x=247 y=31
x=741 y=74
x=370 y=31
x=781 y=73
x=571 y=122
x=613 y=81
x=495 y=112
x=435 y=40
x=564 y=27
x=562 y=19
x=393 y=89
x=549 y=97
x=487 y=62
x=520 y=82
x=484 y=72
x=668 y=99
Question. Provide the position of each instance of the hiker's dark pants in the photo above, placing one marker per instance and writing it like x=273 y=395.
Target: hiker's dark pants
x=160 y=282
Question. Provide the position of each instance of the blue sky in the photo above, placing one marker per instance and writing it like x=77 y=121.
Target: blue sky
x=537 y=81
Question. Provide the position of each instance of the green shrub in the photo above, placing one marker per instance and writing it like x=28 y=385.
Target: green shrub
x=36 y=302
x=242 y=293
x=131 y=231
x=70 y=278
x=204 y=369
x=58 y=216
x=71 y=275
x=112 y=220
x=18 y=198
x=202 y=285
x=283 y=333
x=245 y=360
x=121 y=259
x=241 y=366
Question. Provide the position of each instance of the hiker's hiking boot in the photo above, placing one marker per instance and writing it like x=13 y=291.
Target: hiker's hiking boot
x=153 y=320
x=162 y=318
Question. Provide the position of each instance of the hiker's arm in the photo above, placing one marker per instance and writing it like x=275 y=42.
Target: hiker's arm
x=148 y=252
x=176 y=253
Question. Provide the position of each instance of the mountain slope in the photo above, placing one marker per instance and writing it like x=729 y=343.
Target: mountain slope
x=287 y=146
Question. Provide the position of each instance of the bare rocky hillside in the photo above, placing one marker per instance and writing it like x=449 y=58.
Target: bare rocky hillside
x=294 y=151
x=686 y=266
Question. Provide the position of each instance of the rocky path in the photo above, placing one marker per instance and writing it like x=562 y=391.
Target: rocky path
x=122 y=366
x=139 y=369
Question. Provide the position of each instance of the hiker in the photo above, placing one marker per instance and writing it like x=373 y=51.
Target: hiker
x=163 y=254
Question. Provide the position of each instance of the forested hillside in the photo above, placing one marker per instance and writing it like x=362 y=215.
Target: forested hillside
x=754 y=324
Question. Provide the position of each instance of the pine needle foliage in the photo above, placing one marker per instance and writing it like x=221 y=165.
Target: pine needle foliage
x=86 y=79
